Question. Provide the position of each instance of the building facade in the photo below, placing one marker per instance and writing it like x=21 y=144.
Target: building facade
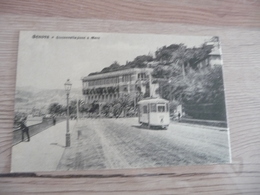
x=213 y=58
x=106 y=87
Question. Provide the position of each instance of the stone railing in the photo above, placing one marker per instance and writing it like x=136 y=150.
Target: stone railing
x=35 y=129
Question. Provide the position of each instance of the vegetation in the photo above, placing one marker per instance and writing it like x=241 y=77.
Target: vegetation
x=199 y=90
x=119 y=106
x=56 y=108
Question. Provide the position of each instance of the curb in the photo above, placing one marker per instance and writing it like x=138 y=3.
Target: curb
x=202 y=126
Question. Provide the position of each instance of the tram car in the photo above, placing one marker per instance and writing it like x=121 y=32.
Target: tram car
x=154 y=112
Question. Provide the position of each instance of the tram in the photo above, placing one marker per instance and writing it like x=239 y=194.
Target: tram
x=154 y=112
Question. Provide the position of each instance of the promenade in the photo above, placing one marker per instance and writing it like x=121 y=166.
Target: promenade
x=43 y=152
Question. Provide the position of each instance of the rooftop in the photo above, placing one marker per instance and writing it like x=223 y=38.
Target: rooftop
x=116 y=73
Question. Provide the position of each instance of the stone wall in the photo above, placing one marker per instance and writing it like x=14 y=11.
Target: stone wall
x=35 y=129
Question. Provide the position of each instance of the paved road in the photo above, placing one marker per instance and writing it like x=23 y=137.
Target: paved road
x=122 y=143
x=43 y=152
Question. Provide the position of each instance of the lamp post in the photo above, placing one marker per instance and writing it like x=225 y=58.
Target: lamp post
x=67 y=89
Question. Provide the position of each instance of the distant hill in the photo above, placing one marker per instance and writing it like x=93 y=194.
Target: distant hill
x=29 y=98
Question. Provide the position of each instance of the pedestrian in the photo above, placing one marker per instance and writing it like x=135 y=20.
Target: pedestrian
x=24 y=129
x=179 y=116
x=54 y=120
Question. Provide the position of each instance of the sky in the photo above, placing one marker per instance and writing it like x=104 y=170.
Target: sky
x=47 y=59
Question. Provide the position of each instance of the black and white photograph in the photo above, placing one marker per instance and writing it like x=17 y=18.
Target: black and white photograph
x=91 y=101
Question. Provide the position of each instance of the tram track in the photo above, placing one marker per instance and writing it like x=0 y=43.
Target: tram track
x=122 y=143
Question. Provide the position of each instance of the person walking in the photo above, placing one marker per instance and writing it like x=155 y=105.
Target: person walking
x=25 y=129
x=179 y=116
x=54 y=120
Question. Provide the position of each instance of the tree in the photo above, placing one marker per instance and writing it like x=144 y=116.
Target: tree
x=126 y=103
x=204 y=94
x=55 y=108
x=162 y=71
x=176 y=59
x=106 y=109
x=164 y=53
x=84 y=107
x=73 y=107
x=117 y=109
x=122 y=105
x=94 y=107
x=140 y=61
x=205 y=86
x=113 y=67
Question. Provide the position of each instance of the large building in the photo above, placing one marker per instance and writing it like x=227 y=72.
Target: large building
x=106 y=87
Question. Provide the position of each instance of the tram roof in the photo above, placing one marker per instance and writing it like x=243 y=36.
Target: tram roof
x=153 y=100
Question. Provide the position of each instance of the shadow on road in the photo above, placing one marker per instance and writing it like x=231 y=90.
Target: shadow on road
x=146 y=128
x=56 y=144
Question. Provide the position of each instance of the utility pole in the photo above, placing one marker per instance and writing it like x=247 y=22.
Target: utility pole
x=170 y=88
x=150 y=85
x=77 y=108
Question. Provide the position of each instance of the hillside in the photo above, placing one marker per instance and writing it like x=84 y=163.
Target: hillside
x=28 y=98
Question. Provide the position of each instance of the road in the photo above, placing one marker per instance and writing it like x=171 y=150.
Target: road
x=122 y=143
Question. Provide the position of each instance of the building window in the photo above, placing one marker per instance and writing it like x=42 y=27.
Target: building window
x=142 y=76
x=126 y=78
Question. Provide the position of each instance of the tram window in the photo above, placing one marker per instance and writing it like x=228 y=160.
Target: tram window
x=161 y=108
x=145 y=109
x=153 y=107
x=167 y=107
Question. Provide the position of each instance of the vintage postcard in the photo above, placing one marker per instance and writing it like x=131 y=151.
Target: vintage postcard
x=118 y=101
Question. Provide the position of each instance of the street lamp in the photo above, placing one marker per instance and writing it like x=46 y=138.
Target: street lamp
x=67 y=89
